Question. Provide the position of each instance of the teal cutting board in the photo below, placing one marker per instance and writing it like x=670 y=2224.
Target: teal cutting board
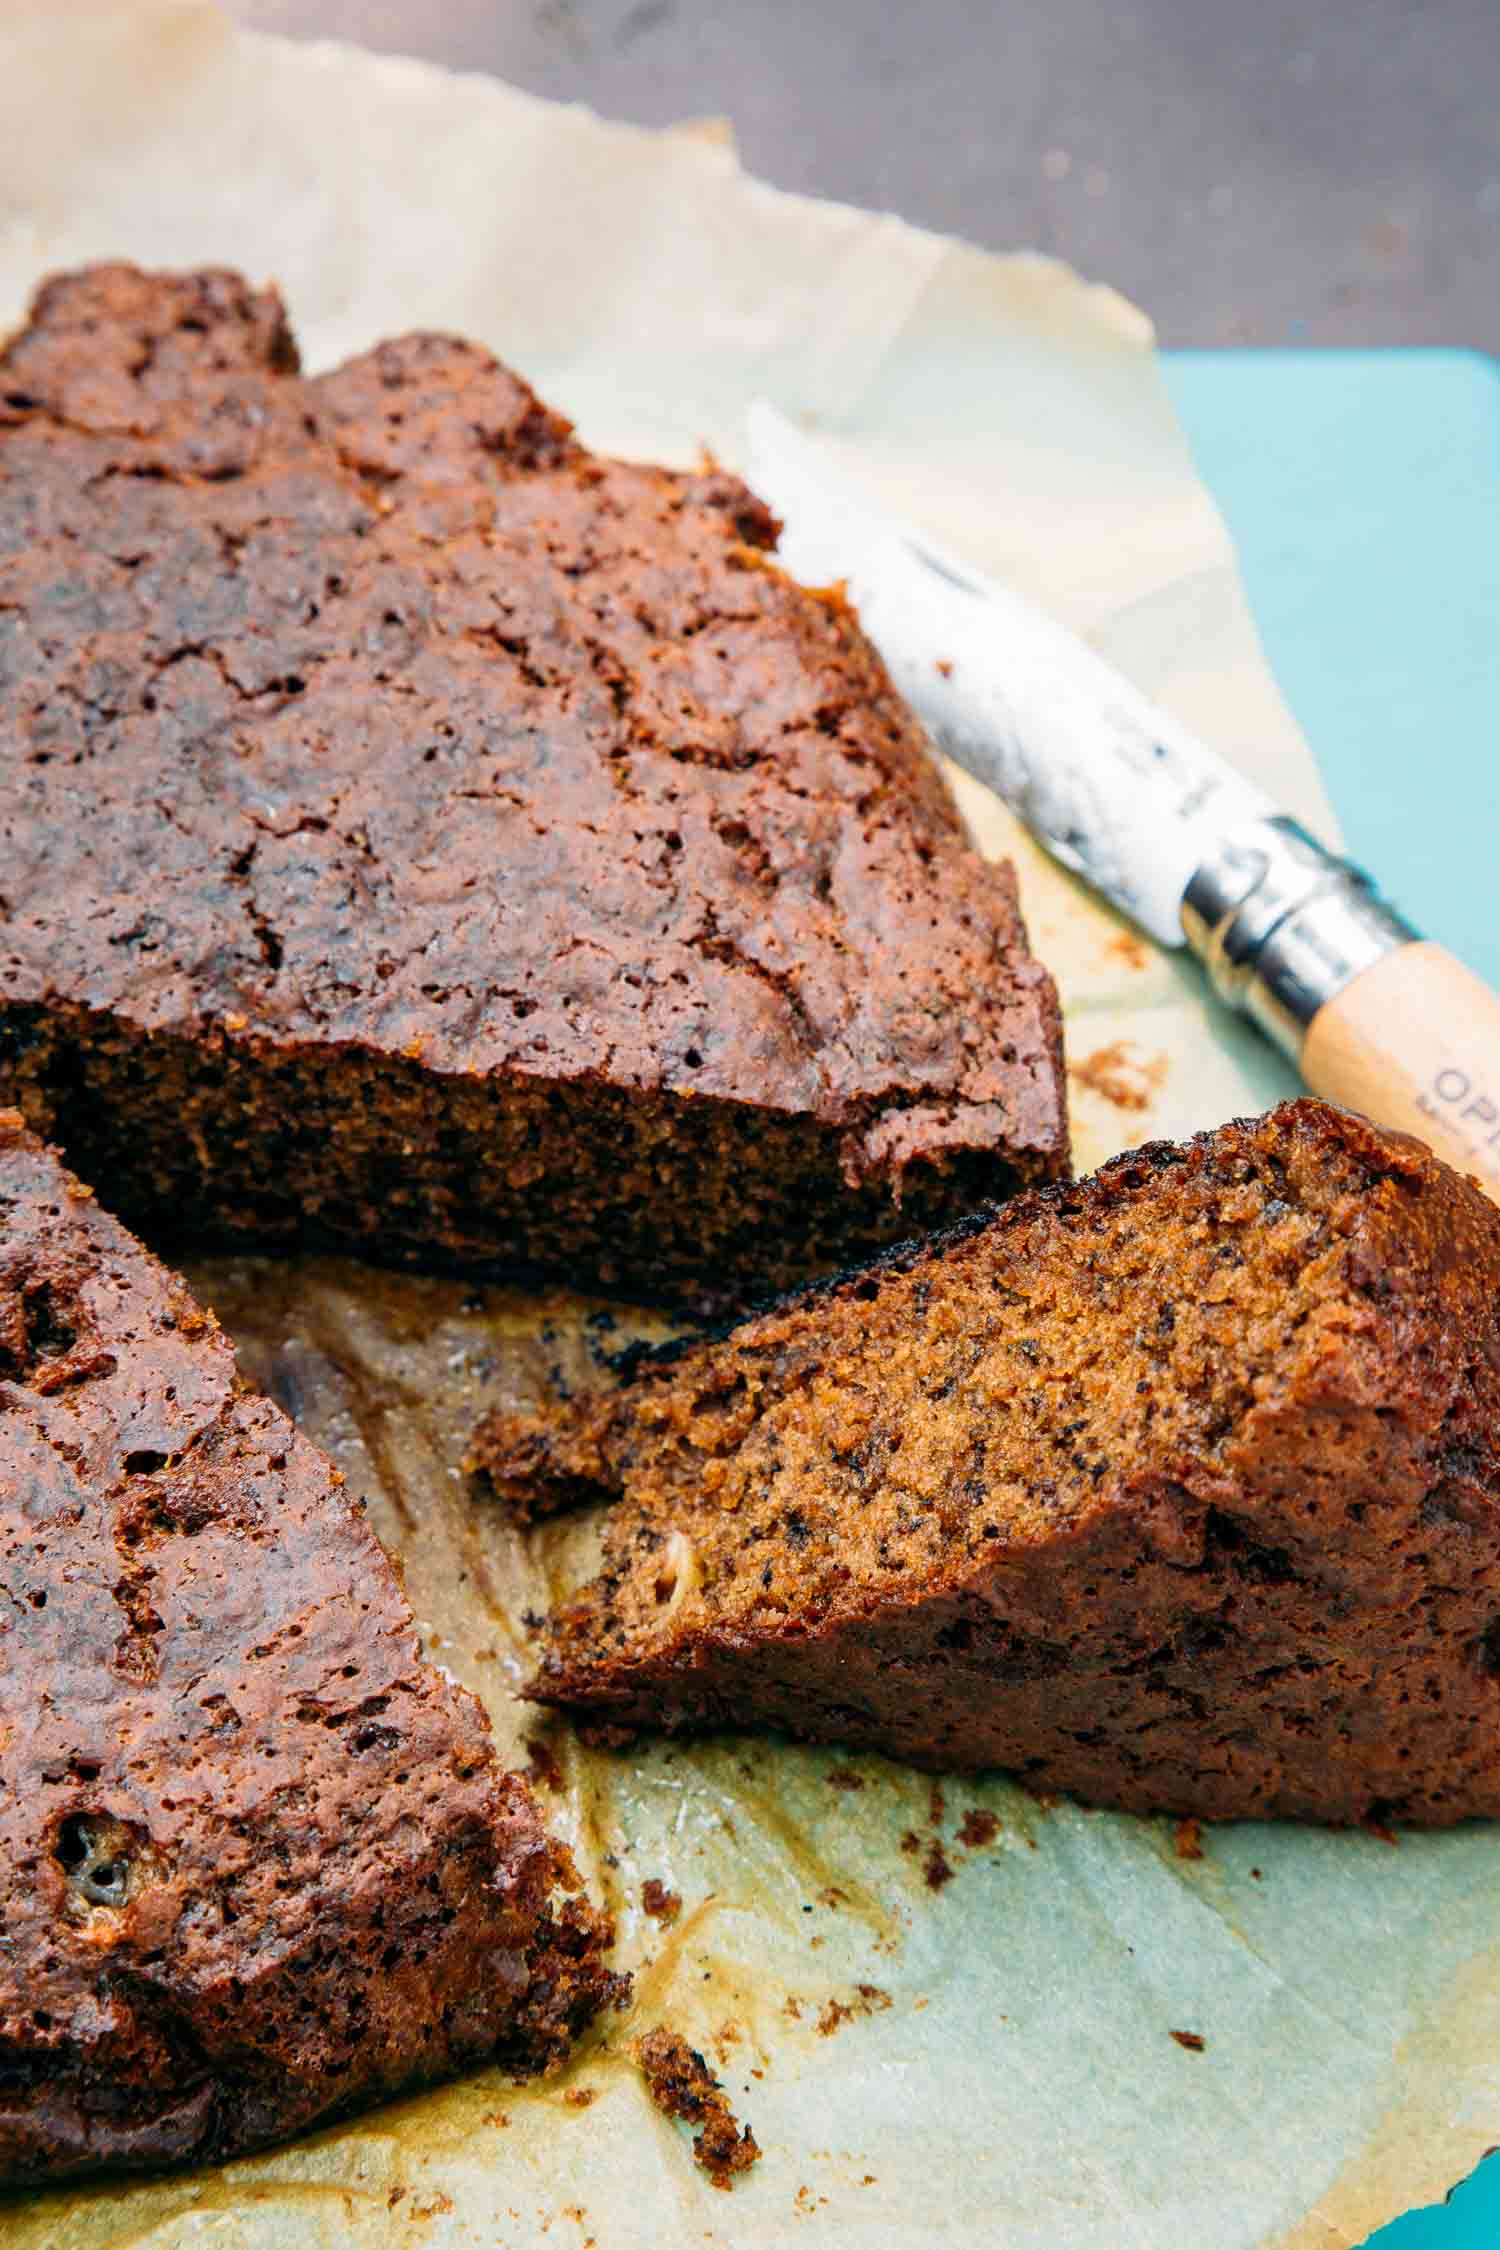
x=1363 y=493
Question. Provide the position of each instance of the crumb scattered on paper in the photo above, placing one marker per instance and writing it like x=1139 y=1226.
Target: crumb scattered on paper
x=1187 y=1839
x=1120 y=1075
x=681 y=2084
x=865 y=2000
x=1132 y=950
x=663 y=1905
x=937 y=1868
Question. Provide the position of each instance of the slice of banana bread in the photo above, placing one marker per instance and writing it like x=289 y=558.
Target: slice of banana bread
x=425 y=836
x=261 y=1866
x=1178 y=1489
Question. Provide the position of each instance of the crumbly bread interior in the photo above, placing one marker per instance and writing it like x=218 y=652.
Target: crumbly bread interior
x=814 y=1467
x=1178 y=1489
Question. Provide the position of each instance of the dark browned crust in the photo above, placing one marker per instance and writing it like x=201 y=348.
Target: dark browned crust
x=426 y=836
x=1178 y=1489
x=681 y=2084
x=261 y=1867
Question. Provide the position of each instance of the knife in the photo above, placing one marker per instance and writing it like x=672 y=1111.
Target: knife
x=1377 y=1018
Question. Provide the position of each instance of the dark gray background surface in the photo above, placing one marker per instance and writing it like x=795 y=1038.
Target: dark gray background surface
x=1249 y=171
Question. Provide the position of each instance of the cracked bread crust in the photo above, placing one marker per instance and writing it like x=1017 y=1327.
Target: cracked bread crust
x=261 y=1867
x=1178 y=1489
x=490 y=856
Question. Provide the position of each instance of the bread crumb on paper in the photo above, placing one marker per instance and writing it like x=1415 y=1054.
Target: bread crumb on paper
x=1187 y=1839
x=1121 y=1075
x=661 y=1903
x=865 y=2000
x=937 y=1868
x=681 y=2084
x=1132 y=950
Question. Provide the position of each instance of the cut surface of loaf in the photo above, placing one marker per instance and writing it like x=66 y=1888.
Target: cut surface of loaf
x=261 y=1865
x=1177 y=1489
x=424 y=835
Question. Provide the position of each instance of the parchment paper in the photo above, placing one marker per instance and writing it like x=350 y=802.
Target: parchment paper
x=934 y=2040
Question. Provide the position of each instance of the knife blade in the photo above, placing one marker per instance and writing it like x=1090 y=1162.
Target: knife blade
x=1114 y=787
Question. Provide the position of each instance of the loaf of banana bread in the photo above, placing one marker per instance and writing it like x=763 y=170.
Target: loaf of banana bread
x=424 y=836
x=261 y=1866
x=1178 y=1489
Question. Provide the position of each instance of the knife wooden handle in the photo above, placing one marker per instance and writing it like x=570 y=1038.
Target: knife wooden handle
x=1414 y=1041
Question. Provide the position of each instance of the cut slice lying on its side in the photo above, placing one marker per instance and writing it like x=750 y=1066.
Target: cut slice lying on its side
x=261 y=1865
x=1177 y=1489
x=423 y=836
